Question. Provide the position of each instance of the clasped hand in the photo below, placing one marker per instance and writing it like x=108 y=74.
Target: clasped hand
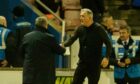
x=125 y=63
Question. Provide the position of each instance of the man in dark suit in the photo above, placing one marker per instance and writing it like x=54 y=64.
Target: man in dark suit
x=39 y=49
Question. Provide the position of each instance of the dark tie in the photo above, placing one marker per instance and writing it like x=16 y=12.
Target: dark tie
x=125 y=45
x=125 y=52
x=126 y=49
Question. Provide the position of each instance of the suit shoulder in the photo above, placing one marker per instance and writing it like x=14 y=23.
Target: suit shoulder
x=99 y=26
x=80 y=28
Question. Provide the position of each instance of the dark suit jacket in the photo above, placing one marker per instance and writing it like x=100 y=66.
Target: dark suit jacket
x=39 y=49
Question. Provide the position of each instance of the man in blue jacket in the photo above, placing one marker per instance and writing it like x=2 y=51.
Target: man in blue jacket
x=127 y=58
x=7 y=45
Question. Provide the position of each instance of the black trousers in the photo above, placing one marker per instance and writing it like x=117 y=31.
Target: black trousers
x=82 y=71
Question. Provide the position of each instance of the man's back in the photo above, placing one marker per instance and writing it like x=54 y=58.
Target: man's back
x=40 y=47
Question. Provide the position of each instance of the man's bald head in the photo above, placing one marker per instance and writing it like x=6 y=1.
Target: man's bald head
x=3 y=21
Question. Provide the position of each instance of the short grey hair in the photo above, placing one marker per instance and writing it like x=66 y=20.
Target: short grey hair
x=87 y=11
x=41 y=21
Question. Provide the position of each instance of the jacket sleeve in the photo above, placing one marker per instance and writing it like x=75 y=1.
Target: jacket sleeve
x=105 y=38
x=113 y=60
x=71 y=40
x=56 y=47
x=136 y=59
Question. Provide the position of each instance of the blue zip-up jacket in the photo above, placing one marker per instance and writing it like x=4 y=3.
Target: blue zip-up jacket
x=132 y=70
x=3 y=36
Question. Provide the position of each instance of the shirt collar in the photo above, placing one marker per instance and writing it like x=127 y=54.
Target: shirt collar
x=126 y=41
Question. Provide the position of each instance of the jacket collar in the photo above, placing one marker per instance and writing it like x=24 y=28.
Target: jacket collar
x=42 y=29
x=130 y=42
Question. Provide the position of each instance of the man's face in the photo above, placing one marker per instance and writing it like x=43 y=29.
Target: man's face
x=124 y=34
x=110 y=22
x=84 y=18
